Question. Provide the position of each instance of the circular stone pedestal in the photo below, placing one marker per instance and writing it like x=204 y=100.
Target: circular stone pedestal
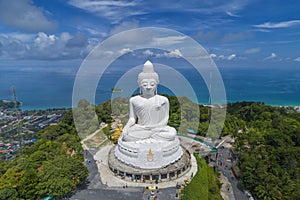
x=172 y=171
x=149 y=153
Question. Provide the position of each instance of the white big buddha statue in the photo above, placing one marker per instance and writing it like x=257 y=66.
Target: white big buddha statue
x=147 y=141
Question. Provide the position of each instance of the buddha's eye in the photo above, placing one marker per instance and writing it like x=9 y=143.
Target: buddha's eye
x=152 y=83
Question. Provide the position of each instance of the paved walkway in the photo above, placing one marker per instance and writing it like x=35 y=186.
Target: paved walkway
x=94 y=189
x=108 y=178
x=103 y=184
x=226 y=189
x=91 y=136
x=225 y=168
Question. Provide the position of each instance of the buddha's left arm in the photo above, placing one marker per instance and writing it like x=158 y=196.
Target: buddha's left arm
x=165 y=115
x=165 y=119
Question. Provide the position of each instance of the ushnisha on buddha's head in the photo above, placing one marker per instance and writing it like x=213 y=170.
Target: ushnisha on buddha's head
x=148 y=80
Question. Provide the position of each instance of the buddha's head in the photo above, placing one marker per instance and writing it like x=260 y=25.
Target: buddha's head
x=148 y=80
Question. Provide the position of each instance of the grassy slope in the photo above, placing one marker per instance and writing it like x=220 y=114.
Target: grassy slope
x=205 y=184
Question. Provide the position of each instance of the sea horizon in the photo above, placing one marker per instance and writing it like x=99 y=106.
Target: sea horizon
x=38 y=88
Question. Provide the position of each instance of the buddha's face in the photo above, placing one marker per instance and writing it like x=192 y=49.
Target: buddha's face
x=148 y=86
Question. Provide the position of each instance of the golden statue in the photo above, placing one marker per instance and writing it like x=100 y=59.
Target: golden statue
x=150 y=156
x=117 y=132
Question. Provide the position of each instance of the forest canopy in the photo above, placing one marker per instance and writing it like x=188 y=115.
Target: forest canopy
x=267 y=140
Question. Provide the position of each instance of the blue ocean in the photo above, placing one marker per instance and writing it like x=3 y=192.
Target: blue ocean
x=42 y=85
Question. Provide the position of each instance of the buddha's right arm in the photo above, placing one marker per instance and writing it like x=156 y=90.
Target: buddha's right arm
x=129 y=124
x=132 y=117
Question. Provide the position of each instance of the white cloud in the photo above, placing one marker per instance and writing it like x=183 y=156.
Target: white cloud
x=271 y=57
x=43 y=40
x=263 y=30
x=24 y=37
x=231 y=14
x=118 y=10
x=223 y=57
x=24 y=16
x=297 y=59
x=210 y=7
x=148 y=53
x=65 y=36
x=12 y=48
x=92 y=31
x=213 y=56
x=174 y=53
x=108 y=53
x=125 y=50
x=204 y=7
x=283 y=24
x=89 y=4
x=112 y=10
x=124 y=26
x=44 y=46
x=170 y=40
x=231 y=57
x=252 y=51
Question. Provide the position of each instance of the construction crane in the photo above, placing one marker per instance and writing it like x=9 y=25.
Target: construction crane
x=18 y=114
x=14 y=95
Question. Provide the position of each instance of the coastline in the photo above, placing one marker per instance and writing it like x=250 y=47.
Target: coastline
x=32 y=108
x=67 y=107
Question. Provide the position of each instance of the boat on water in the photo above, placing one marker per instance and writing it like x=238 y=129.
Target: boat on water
x=116 y=89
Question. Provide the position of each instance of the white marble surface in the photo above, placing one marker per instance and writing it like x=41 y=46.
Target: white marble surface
x=108 y=178
x=137 y=154
x=147 y=142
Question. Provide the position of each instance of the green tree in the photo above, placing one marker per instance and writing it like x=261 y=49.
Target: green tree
x=28 y=184
x=12 y=177
x=10 y=194
x=61 y=175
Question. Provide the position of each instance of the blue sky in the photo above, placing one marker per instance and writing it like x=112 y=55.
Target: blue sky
x=235 y=32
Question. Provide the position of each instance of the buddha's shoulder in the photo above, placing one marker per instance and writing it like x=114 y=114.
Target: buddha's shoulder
x=135 y=98
x=162 y=97
x=139 y=98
